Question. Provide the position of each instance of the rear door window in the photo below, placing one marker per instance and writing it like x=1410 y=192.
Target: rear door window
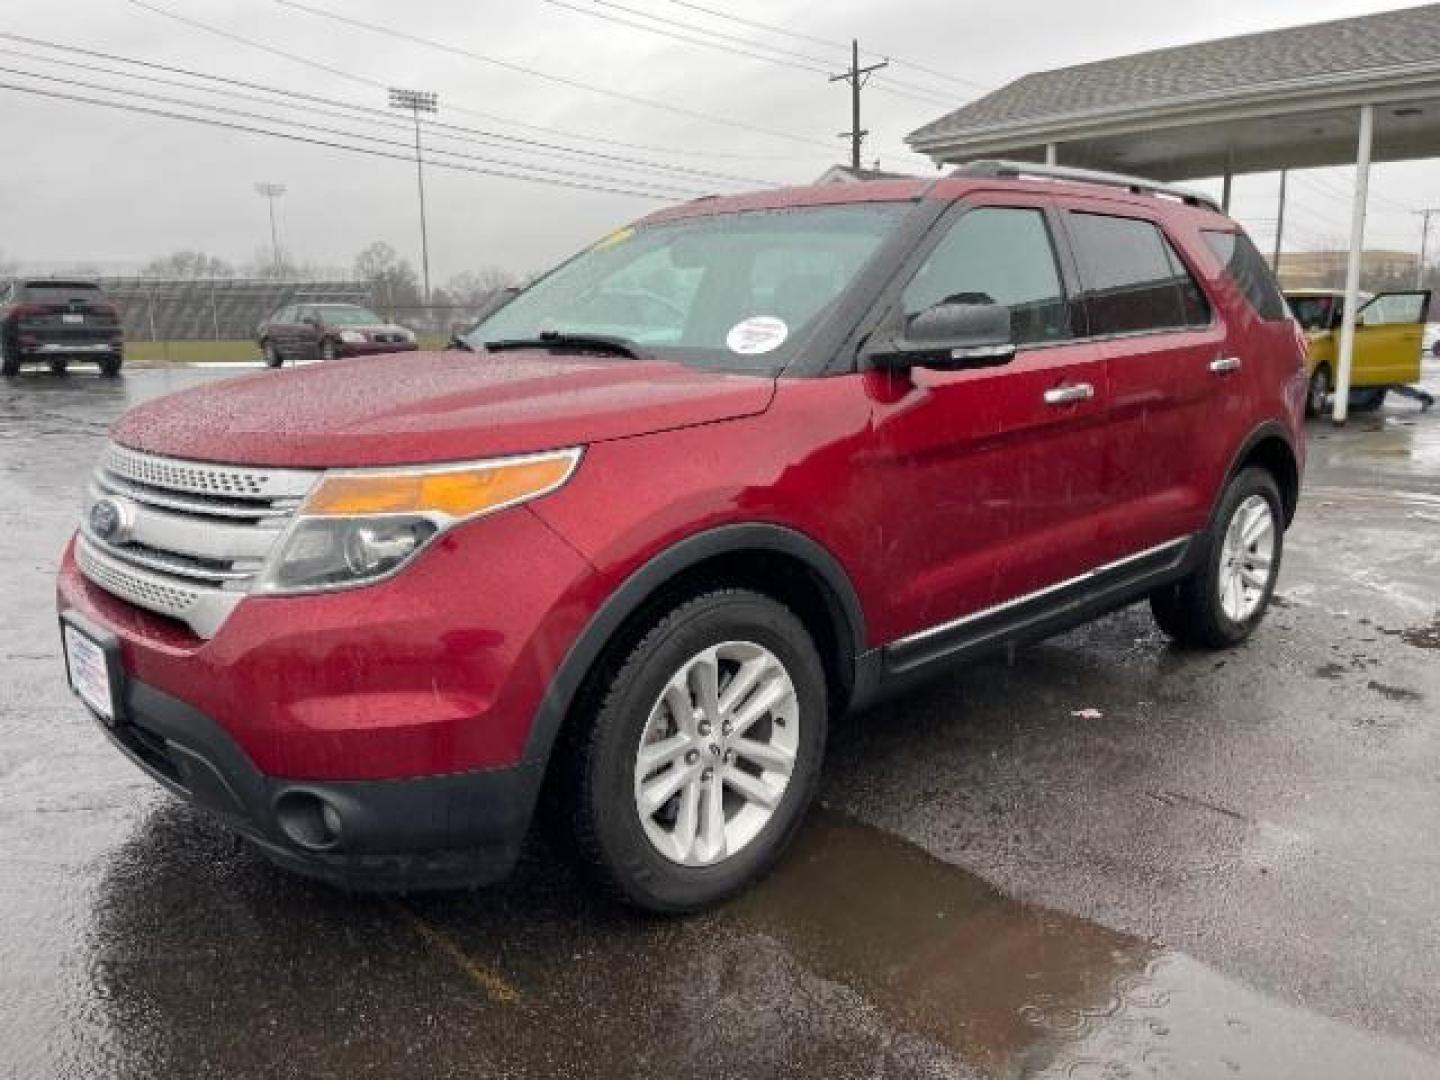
x=997 y=255
x=1248 y=269
x=1134 y=279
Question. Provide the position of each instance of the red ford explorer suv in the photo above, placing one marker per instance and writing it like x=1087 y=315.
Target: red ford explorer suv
x=731 y=471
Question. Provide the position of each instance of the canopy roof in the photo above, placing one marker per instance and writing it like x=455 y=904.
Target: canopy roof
x=1244 y=104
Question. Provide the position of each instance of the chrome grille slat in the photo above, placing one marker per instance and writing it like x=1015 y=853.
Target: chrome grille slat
x=165 y=563
x=193 y=535
x=215 y=539
x=167 y=500
x=227 y=481
x=203 y=610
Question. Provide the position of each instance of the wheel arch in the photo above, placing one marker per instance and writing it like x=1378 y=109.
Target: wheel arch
x=1270 y=447
x=773 y=559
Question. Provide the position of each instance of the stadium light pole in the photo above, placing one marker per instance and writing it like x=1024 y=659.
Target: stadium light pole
x=271 y=192
x=416 y=102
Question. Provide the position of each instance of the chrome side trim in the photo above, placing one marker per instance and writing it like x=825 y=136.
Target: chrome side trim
x=955 y=624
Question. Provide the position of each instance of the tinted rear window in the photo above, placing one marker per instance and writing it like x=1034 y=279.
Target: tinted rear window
x=1248 y=269
x=1134 y=280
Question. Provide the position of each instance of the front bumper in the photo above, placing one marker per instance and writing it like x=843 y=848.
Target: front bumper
x=434 y=832
x=438 y=670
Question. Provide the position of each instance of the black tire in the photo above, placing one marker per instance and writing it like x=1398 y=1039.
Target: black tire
x=270 y=354
x=9 y=360
x=1318 y=391
x=328 y=350
x=1191 y=610
x=1364 y=401
x=110 y=365
x=598 y=780
x=59 y=367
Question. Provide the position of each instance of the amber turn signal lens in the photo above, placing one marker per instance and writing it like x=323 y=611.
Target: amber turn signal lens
x=456 y=493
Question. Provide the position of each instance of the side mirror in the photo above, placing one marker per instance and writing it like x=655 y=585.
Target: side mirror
x=950 y=336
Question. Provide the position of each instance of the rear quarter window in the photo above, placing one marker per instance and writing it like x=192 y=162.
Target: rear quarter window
x=1247 y=268
x=1134 y=281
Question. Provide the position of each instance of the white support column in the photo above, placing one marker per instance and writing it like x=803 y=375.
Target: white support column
x=1352 y=267
x=1052 y=154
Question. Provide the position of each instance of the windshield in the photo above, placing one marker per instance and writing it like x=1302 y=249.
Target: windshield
x=1316 y=312
x=348 y=316
x=728 y=290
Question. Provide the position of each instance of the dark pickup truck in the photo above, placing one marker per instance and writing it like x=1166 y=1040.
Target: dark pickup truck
x=53 y=321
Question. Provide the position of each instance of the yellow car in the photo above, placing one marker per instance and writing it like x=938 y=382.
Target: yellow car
x=1389 y=328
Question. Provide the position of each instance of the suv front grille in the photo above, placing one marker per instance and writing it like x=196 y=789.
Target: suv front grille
x=191 y=536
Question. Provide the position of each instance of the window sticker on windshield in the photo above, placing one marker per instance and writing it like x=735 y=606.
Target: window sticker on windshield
x=760 y=334
x=619 y=236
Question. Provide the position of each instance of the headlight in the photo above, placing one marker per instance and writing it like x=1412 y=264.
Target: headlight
x=352 y=337
x=357 y=526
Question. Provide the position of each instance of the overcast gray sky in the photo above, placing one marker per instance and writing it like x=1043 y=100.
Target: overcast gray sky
x=79 y=183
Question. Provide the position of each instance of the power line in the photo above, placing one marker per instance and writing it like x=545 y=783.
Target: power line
x=310 y=63
x=656 y=187
x=504 y=173
x=355 y=111
x=795 y=60
x=562 y=80
x=831 y=42
x=1325 y=189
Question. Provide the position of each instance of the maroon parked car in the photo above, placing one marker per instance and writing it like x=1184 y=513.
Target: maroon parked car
x=735 y=469
x=328 y=332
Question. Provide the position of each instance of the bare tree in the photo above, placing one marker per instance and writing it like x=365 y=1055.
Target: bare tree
x=392 y=280
x=187 y=264
x=471 y=288
x=267 y=266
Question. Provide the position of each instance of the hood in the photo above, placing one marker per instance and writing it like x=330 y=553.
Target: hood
x=418 y=408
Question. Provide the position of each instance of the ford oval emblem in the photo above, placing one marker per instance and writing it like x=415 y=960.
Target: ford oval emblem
x=110 y=521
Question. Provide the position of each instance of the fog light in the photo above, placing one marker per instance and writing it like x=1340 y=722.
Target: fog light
x=308 y=820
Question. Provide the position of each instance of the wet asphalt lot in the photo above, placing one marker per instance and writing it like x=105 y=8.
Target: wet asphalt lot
x=1108 y=859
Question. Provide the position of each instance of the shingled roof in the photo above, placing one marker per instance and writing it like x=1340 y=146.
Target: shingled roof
x=1315 y=53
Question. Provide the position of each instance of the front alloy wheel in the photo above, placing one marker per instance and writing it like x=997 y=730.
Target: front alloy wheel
x=701 y=754
x=717 y=753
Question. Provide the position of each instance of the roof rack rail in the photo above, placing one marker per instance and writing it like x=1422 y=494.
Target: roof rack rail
x=1137 y=184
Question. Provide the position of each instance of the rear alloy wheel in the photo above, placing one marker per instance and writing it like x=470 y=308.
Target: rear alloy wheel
x=698 y=767
x=1318 y=391
x=1222 y=602
x=271 y=355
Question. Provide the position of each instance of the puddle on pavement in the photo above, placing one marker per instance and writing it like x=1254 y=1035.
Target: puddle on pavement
x=1023 y=990
x=860 y=956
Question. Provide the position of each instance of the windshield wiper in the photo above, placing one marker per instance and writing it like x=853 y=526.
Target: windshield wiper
x=555 y=339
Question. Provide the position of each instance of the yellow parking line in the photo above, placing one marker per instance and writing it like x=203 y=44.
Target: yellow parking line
x=495 y=986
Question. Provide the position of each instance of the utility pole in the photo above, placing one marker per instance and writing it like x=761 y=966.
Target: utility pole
x=416 y=102
x=1279 y=224
x=856 y=77
x=1424 y=243
x=271 y=192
